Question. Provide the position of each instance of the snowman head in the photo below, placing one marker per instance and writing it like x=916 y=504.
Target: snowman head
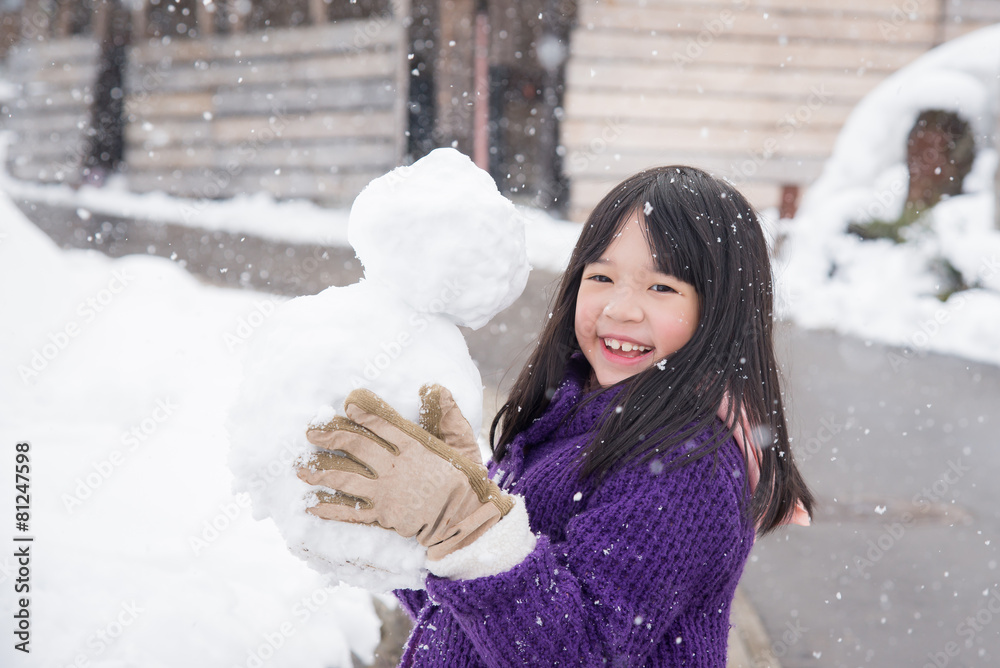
x=440 y=235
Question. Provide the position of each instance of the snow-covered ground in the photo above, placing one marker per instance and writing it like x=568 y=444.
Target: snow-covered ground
x=884 y=291
x=119 y=374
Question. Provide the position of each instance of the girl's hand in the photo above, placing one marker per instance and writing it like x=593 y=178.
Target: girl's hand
x=425 y=481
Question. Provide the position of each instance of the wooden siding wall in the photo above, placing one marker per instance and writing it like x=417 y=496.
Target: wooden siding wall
x=975 y=12
x=753 y=90
x=308 y=112
x=51 y=117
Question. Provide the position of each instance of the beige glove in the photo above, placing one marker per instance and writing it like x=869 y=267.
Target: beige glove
x=422 y=480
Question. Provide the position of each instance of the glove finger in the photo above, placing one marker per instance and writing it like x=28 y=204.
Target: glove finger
x=430 y=409
x=325 y=436
x=355 y=510
x=343 y=508
x=335 y=498
x=441 y=416
x=338 y=481
x=356 y=442
x=338 y=460
x=368 y=410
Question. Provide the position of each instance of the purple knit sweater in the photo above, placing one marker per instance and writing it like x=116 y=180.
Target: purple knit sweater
x=639 y=571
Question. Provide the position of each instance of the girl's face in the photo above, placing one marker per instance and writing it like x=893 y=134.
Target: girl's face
x=629 y=315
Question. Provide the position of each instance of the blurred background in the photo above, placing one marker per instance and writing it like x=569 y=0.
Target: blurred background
x=201 y=158
x=558 y=99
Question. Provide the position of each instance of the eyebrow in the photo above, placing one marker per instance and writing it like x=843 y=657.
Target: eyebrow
x=649 y=268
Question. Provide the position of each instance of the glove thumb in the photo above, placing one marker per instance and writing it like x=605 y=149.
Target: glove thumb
x=441 y=416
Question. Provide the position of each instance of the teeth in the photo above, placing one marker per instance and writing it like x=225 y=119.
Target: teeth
x=625 y=346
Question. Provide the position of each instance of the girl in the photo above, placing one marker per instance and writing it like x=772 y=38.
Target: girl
x=620 y=507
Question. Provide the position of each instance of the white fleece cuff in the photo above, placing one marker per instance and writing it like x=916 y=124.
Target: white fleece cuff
x=504 y=545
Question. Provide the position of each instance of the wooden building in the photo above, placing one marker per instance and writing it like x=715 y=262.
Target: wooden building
x=754 y=90
x=559 y=99
x=304 y=100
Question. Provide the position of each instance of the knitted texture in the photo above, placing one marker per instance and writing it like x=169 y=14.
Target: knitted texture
x=639 y=570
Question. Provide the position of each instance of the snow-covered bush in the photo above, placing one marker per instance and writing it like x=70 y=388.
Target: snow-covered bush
x=890 y=291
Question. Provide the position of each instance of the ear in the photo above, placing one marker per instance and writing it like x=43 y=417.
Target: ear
x=441 y=416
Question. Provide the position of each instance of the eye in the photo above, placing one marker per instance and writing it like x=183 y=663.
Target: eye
x=600 y=278
x=660 y=287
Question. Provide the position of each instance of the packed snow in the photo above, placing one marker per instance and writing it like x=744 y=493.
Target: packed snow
x=885 y=291
x=119 y=375
x=440 y=235
x=441 y=248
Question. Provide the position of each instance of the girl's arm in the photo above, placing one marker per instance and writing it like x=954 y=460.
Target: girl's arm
x=648 y=549
x=412 y=600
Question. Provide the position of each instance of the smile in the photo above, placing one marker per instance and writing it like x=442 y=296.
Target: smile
x=625 y=348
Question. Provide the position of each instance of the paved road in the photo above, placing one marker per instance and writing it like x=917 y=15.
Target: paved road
x=901 y=565
x=904 y=454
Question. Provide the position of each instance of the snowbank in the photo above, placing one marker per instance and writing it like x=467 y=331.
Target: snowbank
x=119 y=374
x=884 y=291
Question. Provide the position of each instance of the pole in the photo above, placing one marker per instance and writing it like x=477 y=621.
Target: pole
x=481 y=113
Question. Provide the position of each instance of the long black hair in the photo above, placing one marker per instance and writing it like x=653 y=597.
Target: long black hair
x=703 y=231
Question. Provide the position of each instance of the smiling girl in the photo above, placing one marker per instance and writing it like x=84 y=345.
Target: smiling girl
x=628 y=312
x=642 y=447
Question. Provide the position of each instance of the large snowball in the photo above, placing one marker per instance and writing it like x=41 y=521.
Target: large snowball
x=300 y=367
x=441 y=235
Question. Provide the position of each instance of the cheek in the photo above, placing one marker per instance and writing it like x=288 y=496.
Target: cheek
x=692 y=316
x=579 y=326
x=688 y=325
x=585 y=319
x=676 y=329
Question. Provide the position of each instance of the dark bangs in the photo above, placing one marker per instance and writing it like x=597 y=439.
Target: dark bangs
x=665 y=201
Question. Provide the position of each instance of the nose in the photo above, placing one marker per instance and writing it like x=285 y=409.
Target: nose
x=623 y=306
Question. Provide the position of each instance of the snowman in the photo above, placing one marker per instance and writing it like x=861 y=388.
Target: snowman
x=440 y=248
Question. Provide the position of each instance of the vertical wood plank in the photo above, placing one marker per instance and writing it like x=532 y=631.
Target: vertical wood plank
x=996 y=182
x=205 y=19
x=140 y=22
x=454 y=75
x=317 y=12
x=237 y=21
x=401 y=11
